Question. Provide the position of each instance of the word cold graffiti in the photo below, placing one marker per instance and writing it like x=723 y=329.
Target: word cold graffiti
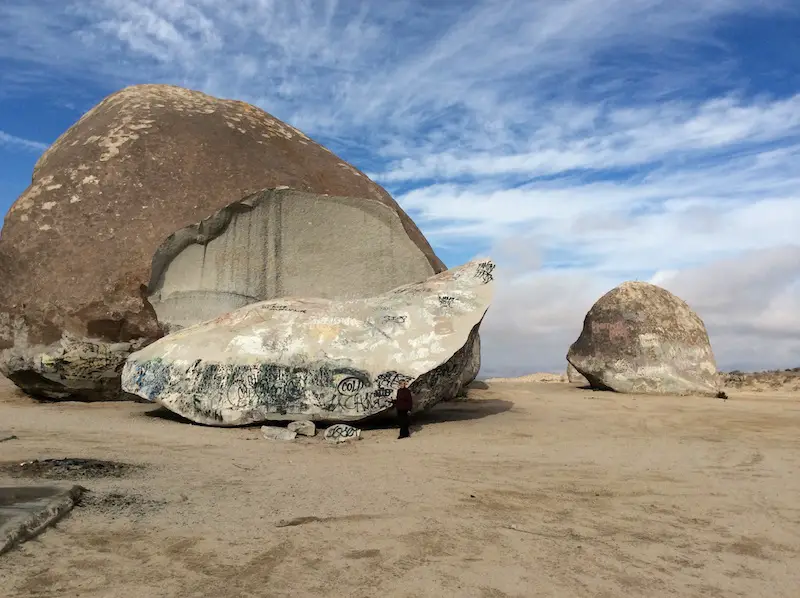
x=350 y=386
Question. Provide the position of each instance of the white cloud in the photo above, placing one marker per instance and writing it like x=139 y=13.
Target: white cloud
x=583 y=142
x=723 y=237
x=19 y=142
x=596 y=138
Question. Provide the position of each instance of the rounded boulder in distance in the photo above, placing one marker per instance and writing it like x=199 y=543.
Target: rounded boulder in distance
x=640 y=338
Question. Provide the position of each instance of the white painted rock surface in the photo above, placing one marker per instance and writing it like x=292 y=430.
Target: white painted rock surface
x=640 y=338
x=278 y=433
x=342 y=433
x=303 y=428
x=319 y=359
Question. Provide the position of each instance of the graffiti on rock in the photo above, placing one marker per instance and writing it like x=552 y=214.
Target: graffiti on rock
x=446 y=301
x=365 y=403
x=280 y=307
x=484 y=272
x=391 y=380
x=350 y=386
x=394 y=319
x=268 y=387
x=369 y=398
x=84 y=360
x=342 y=432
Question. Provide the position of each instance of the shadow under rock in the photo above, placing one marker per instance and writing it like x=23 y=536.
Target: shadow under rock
x=446 y=411
x=461 y=409
x=164 y=413
x=478 y=385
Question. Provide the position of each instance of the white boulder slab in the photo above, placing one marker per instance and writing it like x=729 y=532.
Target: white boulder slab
x=319 y=359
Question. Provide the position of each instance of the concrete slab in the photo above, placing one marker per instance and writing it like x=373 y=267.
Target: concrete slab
x=26 y=511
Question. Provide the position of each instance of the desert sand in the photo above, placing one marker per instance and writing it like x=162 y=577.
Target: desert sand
x=521 y=489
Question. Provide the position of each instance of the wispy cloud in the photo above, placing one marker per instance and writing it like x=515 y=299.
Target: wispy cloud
x=475 y=69
x=19 y=142
x=583 y=142
x=593 y=137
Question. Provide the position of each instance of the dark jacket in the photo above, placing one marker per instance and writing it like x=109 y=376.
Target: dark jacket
x=404 y=400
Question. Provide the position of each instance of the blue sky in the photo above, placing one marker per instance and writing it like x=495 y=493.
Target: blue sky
x=580 y=143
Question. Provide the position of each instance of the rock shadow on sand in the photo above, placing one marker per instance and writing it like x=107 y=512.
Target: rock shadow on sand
x=461 y=409
x=164 y=413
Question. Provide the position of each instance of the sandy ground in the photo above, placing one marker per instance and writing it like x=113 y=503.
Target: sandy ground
x=522 y=489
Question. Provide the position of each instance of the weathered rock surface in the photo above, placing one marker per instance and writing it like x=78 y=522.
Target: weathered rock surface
x=282 y=243
x=574 y=376
x=78 y=245
x=341 y=433
x=319 y=359
x=303 y=428
x=640 y=338
x=277 y=433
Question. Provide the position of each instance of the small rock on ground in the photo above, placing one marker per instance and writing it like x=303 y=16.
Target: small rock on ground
x=342 y=433
x=303 y=428
x=277 y=433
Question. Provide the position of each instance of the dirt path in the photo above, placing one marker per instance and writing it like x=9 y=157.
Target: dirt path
x=524 y=489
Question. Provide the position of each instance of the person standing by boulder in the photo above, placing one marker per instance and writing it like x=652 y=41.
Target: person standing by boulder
x=403 y=404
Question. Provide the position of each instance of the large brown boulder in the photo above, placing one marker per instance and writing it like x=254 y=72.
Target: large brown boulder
x=77 y=246
x=640 y=338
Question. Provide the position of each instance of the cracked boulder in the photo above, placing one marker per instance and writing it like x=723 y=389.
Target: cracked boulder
x=640 y=338
x=157 y=170
x=319 y=359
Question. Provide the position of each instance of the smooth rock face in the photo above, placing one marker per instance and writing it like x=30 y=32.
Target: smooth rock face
x=342 y=433
x=78 y=245
x=640 y=338
x=282 y=243
x=319 y=359
x=303 y=428
x=575 y=377
x=278 y=433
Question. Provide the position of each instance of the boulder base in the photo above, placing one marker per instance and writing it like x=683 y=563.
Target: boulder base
x=575 y=377
x=640 y=338
x=319 y=359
